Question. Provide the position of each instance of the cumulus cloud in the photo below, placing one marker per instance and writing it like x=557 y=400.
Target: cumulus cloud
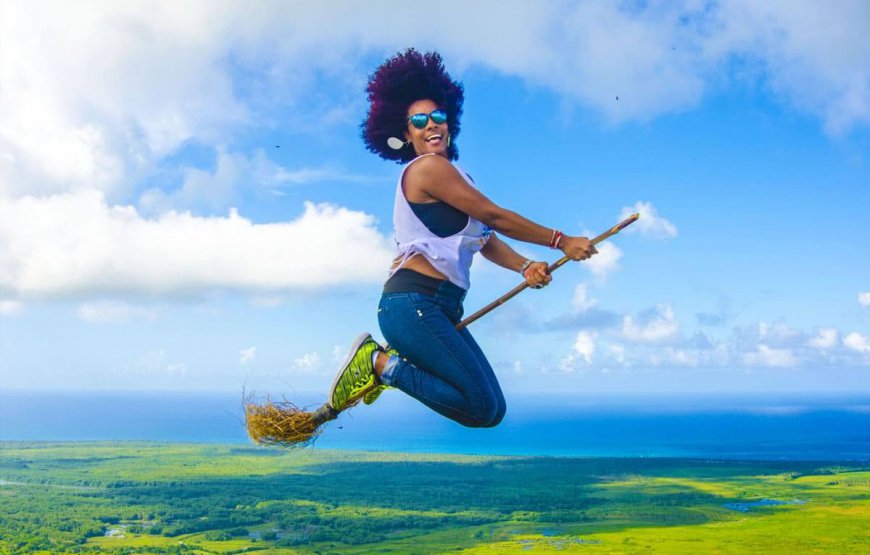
x=778 y=333
x=247 y=355
x=653 y=338
x=583 y=349
x=309 y=363
x=113 y=312
x=768 y=356
x=857 y=342
x=761 y=346
x=581 y=301
x=77 y=244
x=864 y=298
x=605 y=262
x=824 y=339
x=650 y=223
x=810 y=55
x=656 y=324
x=617 y=352
x=103 y=107
x=136 y=81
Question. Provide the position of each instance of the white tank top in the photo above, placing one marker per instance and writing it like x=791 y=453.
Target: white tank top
x=450 y=255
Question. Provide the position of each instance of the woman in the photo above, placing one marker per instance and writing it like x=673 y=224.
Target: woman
x=441 y=220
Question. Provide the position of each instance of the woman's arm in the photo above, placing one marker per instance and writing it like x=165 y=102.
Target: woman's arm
x=433 y=177
x=498 y=252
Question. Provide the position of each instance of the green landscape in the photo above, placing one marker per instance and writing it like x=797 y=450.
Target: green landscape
x=123 y=497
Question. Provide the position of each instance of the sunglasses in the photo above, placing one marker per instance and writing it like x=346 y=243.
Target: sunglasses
x=420 y=120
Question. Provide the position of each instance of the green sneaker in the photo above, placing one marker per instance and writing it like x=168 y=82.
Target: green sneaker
x=373 y=394
x=356 y=375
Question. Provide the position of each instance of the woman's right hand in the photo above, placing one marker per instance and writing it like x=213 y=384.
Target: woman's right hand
x=577 y=248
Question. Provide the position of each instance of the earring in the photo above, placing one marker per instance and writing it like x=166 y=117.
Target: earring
x=448 y=140
x=395 y=144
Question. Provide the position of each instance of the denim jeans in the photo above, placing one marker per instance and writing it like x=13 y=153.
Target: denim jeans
x=438 y=365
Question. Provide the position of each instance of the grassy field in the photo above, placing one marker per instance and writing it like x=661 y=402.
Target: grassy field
x=181 y=498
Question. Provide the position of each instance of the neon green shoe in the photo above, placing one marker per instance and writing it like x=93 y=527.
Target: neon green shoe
x=356 y=375
x=373 y=394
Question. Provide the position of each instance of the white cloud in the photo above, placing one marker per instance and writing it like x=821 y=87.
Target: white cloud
x=652 y=325
x=857 y=342
x=664 y=57
x=76 y=244
x=92 y=97
x=584 y=348
x=114 y=311
x=812 y=57
x=580 y=301
x=247 y=355
x=864 y=298
x=658 y=343
x=768 y=356
x=826 y=338
x=778 y=334
x=686 y=357
x=650 y=223
x=308 y=363
x=605 y=262
x=617 y=352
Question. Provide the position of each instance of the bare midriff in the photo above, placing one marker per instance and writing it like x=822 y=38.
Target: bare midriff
x=418 y=263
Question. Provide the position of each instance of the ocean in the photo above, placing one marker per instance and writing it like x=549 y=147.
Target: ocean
x=771 y=427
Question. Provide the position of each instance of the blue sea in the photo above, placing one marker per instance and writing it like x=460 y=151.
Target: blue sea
x=780 y=427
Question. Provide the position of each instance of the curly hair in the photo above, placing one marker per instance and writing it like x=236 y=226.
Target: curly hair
x=399 y=82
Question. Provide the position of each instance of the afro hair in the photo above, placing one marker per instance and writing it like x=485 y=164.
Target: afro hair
x=399 y=82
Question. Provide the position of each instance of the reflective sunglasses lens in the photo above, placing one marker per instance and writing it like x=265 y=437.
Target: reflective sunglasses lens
x=419 y=120
x=438 y=116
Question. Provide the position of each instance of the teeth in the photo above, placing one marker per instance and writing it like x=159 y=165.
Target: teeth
x=434 y=137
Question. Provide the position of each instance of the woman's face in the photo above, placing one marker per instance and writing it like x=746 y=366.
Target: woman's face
x=432 y=138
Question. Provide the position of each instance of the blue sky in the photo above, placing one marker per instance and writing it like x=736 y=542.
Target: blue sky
x=186 y=203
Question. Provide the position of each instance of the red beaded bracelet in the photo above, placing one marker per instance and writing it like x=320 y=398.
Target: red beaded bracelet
x=556 y=239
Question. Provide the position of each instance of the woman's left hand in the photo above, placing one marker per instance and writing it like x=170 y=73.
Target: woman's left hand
x=537 y=275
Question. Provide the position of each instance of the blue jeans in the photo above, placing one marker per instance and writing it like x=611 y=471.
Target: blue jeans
x=439 y=366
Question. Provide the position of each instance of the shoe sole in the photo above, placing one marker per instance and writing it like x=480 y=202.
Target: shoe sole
x=353 y=350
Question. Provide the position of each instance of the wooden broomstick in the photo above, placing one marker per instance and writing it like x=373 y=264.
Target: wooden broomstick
x=285 y=424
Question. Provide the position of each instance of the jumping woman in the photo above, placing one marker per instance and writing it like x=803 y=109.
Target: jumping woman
x=441 y=220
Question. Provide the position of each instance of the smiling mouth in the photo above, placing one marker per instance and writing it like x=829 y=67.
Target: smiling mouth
x=433 y=138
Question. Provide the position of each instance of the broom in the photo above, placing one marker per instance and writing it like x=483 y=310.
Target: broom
x=283 y=423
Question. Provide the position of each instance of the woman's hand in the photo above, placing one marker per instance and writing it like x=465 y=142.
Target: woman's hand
x=577 y=248
x=537 y=275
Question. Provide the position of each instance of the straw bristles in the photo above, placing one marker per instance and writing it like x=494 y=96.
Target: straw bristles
x=282 y=423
